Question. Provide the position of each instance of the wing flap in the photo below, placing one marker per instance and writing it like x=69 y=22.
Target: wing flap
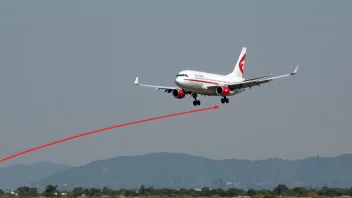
x=258 y=78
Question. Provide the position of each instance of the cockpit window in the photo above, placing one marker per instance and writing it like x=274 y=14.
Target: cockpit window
x=181 y=75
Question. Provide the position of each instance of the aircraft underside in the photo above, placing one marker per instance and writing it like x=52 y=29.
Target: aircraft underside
x=221 y=92
x=197 y=102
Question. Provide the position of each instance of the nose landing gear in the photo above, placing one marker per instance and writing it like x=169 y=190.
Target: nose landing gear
x=195 y=102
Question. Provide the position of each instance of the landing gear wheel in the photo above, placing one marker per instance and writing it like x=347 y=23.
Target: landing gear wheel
x=223 y=100
x=196 y=102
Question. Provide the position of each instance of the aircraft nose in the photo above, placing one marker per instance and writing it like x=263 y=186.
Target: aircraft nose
x=178 y=80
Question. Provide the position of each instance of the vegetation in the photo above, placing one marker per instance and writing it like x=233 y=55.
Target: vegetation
x=280 y=190
x=173 y=170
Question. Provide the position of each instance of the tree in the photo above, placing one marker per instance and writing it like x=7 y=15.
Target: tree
x=263 y=192
x=206 y=191
x=281 y=189
x=149 y=191
x=33 y=192
x=142 y=190
x=234 y=192
x=2 y=192
x=93 y=192
x=251 y=192
x=78 y=191
x=50 y=190
x=106 y=191
x=23 y=191
x=300 y=192
x=129 y=193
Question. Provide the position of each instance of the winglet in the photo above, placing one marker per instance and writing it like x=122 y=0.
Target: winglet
x=295 y=71
x=136 y=81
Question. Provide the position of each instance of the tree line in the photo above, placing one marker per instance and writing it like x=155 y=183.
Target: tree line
x=280 y=190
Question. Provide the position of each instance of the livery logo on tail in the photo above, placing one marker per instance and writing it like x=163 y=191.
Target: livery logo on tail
x=241 y=63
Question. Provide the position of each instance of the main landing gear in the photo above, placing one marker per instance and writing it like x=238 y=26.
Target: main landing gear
x=224 y=99
x=195 y=102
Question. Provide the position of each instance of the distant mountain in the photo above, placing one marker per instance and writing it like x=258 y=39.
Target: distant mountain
x=14 y=176
x=173 y=170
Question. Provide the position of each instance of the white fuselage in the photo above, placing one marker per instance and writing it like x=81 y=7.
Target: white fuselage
x=197 y=81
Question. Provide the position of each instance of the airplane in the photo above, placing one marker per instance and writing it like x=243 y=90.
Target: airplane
x=201 y=83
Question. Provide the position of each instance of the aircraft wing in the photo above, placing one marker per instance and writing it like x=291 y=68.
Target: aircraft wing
x=166 y=89
x=258 y=78
x=255 y=82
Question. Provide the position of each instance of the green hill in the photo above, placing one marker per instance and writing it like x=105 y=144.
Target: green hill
x=17 y=175
x=173 y=170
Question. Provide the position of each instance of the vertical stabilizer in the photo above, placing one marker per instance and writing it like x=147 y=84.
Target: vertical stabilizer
x=239 y=67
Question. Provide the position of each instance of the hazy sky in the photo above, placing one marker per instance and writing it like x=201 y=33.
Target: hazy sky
x=67 y=67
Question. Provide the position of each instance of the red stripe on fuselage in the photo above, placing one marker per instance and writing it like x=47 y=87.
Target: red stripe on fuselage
x=203 y=81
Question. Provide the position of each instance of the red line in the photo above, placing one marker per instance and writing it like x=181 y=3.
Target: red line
x=203 y=81
x=104 y=129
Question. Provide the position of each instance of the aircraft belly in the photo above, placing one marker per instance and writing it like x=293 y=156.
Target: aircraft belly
x=197 y=88
x=201 y=88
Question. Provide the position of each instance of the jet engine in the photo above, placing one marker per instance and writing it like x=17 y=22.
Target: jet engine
x=223 y=91
x=178 y=93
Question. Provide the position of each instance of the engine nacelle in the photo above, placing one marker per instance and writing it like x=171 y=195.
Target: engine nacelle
x=223 y=91
x=178 y=93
